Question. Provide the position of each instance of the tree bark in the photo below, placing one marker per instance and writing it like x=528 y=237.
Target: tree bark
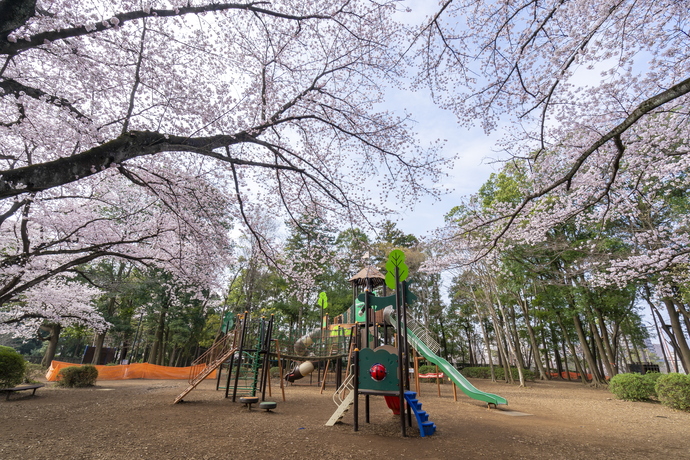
x=678 y=332
x=100 y=338
x=158 y=341
x=52 y=339
x=532 y=338
x=597 y=378
x=571 y=347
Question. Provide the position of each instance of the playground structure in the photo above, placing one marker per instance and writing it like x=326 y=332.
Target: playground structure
x=242 y=356
x=379 y=369
x=371 y=342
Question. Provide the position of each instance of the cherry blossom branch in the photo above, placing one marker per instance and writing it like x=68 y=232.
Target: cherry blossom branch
x=10 y=86
x=642 y=109
x=7 y=46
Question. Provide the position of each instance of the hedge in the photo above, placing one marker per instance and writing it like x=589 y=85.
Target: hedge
x=634 y=387
x=78 y=376
x=485 y=373
x=673 y=390
x=12 y=367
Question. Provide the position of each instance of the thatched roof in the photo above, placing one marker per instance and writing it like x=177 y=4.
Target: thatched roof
x=376 y=278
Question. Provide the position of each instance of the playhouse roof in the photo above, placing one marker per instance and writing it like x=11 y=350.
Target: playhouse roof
x=376 y=278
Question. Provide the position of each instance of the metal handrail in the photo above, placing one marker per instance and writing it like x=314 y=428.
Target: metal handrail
x=346 y=385
x=422 y=333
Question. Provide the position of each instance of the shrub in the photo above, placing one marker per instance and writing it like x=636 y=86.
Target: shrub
x=485 y=373
x=78 y=376
x=12 y=367
x=275 y=372
x=632 y=387
x=673 y=391
x=427 y=369
x=653 y=377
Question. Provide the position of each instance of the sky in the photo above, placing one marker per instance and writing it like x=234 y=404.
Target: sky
x=477 y=158
x=477 y=151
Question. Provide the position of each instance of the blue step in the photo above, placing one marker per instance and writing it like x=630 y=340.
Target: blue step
x=426 y=428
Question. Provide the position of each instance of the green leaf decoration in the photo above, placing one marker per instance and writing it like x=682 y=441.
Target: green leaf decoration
x=323 y=300
x=390 y=280
x=396 y=259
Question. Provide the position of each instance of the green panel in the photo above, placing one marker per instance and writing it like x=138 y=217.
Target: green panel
x=369 y=357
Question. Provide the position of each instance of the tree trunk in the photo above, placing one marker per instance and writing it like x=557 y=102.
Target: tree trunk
x=608 y=349
x=532 y=339
x=597 y=379
x=571 y=347
x=52 y=339
x=158 y=341
x=604 y=358
x=678 y=332
x=100 y=338
x=487 y=342
x=565 y=360
x=511 y=329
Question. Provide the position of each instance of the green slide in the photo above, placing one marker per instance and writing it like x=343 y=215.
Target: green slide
x=453 y=373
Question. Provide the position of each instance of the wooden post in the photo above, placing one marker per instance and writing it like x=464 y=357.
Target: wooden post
x=455 y=391
x=325 y=376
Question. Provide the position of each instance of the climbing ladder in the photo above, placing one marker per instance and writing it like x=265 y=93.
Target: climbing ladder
x=426 y=428
x=208 y=362
x=343 y=403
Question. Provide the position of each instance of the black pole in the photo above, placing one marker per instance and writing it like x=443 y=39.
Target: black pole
x=239 y=358
x=399 y=340
x=406 y=347
x=356 y=389
x=265 y=349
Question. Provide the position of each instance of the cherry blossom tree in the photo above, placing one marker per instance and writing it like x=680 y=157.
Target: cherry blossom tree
x=592 y=96
x=146 y=130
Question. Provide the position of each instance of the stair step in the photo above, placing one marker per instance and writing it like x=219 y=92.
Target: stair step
x=428 y=428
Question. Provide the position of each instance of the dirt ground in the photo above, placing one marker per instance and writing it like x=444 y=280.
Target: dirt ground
x=136 y=419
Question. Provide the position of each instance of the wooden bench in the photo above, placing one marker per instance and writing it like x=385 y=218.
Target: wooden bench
x=9 y=391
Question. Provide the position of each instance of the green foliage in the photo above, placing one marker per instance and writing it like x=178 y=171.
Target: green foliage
x=485 y=373
x=427 y=369
x=673 y=391
x=12 y=367
x=78 y=376
x=275 y=372
x=633 y=387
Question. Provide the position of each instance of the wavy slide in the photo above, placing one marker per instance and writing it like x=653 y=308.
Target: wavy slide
x=453 y=373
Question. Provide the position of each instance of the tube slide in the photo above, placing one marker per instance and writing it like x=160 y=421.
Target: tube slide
x=301 y=345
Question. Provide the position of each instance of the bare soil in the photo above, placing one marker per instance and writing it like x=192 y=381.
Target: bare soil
x=136 y=419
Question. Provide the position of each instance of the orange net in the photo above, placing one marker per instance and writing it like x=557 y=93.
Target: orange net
x=129 y=371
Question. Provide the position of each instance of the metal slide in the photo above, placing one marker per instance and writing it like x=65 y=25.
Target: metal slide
x=422 y=347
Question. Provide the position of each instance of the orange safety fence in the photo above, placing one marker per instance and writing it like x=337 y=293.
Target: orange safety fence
x=431 y=375
x=129 y=371
x=573 y=375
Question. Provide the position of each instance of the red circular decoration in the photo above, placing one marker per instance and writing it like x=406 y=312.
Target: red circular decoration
x=378 y=372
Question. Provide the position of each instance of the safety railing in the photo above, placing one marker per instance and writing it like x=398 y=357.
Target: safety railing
x=211 y=355
x=341 y=392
